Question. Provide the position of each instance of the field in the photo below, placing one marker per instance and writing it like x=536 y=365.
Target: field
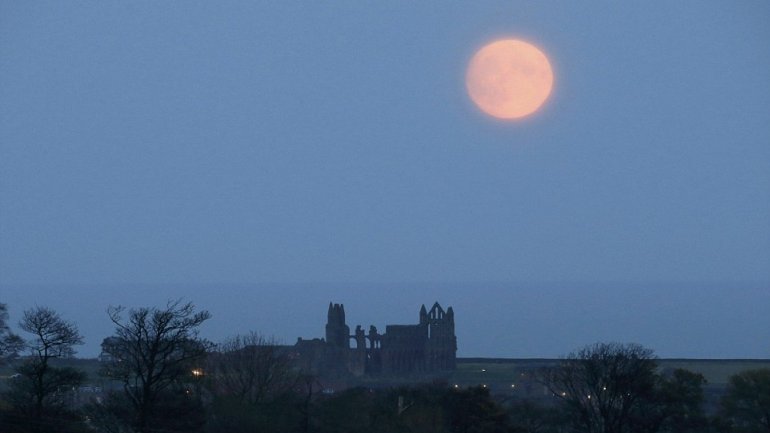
x=488 y=370
x=513 y=378
x=508 y=376
x=90 y=366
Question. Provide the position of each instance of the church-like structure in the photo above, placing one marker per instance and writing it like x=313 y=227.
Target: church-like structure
x=427 y=347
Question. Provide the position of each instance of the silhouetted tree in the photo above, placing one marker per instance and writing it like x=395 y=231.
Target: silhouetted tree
x=250 y=368
x=420 y=408
x=679 y=403
x=110 y=415
x=349 y=411
x=472 y=410
x=604 y=387
x=307 y=386
x=39 y=394
x=747 y=402
x=10 y=343
x=434 y=408
x=252 y=381
x=154 y=353
x=529 y=417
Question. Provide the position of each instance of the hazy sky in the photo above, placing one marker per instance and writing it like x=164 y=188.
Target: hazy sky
x=239 y=152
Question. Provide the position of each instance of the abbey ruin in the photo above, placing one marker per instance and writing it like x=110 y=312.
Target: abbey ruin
x=427 y=347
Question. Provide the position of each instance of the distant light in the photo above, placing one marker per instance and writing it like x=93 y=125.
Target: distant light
x=483 y=370
x=563 y=394
x=484 y=385
x=513 y=385
x=589 y=397
x=197 y=372
x=457 y=386
x=604 y=388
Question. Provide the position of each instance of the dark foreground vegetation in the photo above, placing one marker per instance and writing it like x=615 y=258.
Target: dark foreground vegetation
x=164 y=378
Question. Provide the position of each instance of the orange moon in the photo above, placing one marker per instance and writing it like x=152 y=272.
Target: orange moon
x=509 y=79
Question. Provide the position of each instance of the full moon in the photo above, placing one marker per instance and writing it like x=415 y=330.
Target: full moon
x=509 y=79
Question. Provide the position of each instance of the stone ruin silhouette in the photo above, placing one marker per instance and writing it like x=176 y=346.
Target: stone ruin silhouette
x=427 y=347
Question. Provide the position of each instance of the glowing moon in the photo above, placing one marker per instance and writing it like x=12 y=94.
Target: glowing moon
x=509 y=79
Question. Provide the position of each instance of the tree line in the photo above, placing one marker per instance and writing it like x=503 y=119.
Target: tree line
x=172 y=380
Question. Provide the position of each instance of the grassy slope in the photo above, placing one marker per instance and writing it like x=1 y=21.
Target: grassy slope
x=479 y=370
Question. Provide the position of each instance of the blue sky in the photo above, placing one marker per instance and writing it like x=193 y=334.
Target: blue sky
x=191 y=144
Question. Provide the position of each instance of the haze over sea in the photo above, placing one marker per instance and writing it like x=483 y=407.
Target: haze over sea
x=511 y=320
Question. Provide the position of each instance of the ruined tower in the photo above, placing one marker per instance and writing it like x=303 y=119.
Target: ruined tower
x=425 y=348
x=429 y=346
x=441 y=347
x=337 y=332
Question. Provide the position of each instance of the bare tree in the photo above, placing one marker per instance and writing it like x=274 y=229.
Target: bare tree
x=255 y=386
x=154 y=350
x=250 y=368
x=39 y=391
x=10 y=344
x=604 y=386
x=747 y=401
x=54 y=337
